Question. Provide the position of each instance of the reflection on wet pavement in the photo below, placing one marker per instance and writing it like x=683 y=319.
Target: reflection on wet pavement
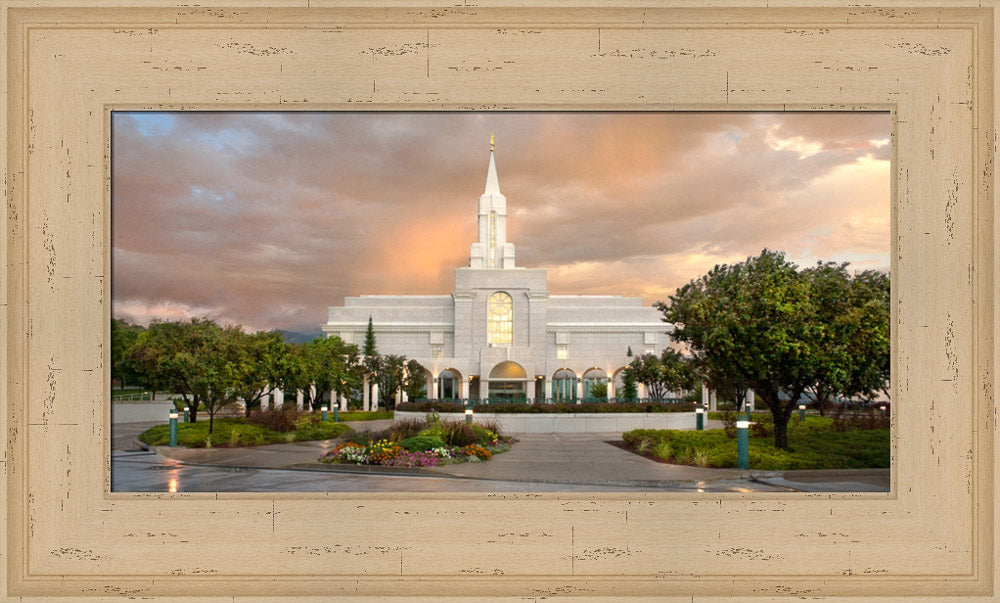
x=150 y=472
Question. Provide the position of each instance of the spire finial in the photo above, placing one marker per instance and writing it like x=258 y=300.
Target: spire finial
x=491 y=142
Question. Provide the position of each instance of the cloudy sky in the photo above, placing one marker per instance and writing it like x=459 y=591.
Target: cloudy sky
x=265 y=219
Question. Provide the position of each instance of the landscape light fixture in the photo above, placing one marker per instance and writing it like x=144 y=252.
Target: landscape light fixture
x=468 y=415
x=173 y=428
x=743 y=444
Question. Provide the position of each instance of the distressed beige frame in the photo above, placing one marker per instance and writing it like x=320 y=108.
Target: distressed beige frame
x=69 y=63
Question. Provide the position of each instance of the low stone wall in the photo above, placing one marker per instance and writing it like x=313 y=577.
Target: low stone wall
x=140 y=412
x=604 y=422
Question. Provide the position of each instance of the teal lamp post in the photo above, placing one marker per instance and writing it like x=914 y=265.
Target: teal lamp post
x=173 y=428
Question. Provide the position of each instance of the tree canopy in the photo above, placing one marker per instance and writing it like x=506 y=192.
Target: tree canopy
x=765 y=325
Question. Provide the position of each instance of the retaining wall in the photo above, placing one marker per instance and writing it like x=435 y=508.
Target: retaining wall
x=604 y=422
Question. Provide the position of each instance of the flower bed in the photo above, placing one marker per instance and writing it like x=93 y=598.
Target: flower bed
x=421 y=443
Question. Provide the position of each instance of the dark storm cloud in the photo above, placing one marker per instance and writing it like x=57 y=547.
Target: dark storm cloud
x=266 y=219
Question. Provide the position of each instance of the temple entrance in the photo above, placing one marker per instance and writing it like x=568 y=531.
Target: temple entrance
x=507 y=383
x=448 y=385
x=507 y=391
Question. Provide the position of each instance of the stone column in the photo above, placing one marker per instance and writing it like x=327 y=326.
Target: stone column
x=705 y=394
x=579 y=390
x=299 y=398
x=365 y=394
x=484 y=389
x=375 y=396
x=343 y=402
x=548 y=388
x=463 y=389
x=611 y=388
x=404 y=396
x=434 y=388
x=641 y=390
x=713 y=400
x=751 y=399
x=312 y=394
x=529 y=391
x=279 y=398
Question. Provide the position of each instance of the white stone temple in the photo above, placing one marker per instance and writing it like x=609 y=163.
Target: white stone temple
x=500 y=334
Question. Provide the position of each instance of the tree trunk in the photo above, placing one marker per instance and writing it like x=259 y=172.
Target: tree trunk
x=780 y=427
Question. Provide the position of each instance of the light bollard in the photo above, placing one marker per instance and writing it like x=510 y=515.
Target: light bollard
x=336 y=415
x=173 y=429
x=468 y=415
x=699 y=414
x=743 y=443
x=322 y=411
x=186 y=414
x=802 y=412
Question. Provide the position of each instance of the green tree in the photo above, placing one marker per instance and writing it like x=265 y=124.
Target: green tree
x=196 y=359
x=662 y=374
x=755 y=322
x=123 y=337
x=389 y=375
x=218 y=357
x=415 y=384
x=599 y=390
x=262 y=362
x=370 y=348
x=320 y=366
x=630 y=386
x=163 y=357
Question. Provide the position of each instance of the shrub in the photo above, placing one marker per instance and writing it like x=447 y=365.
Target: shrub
x=701 y=458
x=422 y=442
x=662 y=450
x=280 y=419
x=361 y=438
x=406 y=428
x=492 y=425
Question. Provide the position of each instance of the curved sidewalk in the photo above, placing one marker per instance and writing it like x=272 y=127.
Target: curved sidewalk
x=545 y=458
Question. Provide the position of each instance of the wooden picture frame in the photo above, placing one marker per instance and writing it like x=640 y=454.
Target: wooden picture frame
x=67 y=65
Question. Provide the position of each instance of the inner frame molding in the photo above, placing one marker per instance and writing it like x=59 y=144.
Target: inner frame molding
x=67 y=67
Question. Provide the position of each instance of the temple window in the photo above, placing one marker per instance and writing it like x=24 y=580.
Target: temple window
x=500 y=319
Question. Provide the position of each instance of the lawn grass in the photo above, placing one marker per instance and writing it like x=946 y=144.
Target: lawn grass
x=235 y=432
x=813 y=445
x=360 y=415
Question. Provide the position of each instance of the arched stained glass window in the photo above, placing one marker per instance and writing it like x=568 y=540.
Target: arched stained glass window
x=500 y=319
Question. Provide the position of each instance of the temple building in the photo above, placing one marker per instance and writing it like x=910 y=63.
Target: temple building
x=500 y=334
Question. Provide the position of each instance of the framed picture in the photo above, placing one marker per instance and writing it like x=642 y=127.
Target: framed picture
x=932 y=535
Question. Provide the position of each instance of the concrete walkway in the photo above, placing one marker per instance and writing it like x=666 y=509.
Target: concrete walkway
x=572 y=459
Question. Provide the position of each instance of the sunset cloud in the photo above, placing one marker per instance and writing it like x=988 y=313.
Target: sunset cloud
x=265 y=219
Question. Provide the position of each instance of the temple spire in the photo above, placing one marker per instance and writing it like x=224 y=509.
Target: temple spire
x=492 y=182
x=491 y=249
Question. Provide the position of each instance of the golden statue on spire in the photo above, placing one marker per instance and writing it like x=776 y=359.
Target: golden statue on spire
x=491 y=142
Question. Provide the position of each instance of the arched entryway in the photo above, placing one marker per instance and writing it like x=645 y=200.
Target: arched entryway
x=449 y=384
x=595 y=385
x=507 y=382
x=563 y=385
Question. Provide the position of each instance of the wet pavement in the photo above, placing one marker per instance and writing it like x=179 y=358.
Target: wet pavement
x=150 y=472
x=576 y=462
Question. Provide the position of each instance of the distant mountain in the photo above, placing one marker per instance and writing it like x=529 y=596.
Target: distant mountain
x=300 y=336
